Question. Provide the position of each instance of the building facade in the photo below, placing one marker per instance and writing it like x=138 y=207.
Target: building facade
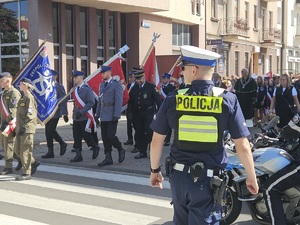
x=82 y=35
x=246 y=34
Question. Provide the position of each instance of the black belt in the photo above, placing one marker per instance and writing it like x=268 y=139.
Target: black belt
x=148 y=108
x=182 y=167
x=107 y=104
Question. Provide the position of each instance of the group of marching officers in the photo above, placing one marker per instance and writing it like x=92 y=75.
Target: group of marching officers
x=19 y=118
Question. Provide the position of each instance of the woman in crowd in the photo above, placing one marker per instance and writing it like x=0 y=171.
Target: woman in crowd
x=260 y=100
x=284 y=101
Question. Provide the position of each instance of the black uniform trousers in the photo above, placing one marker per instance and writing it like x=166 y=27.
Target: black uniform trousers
x=51 y=133
x=129 y=127
x=79 y=133
x=109 y=138
x=274 y=187
x=143 y=132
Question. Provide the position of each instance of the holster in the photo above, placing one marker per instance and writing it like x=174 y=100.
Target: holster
x=218 y=185
x=168 y=165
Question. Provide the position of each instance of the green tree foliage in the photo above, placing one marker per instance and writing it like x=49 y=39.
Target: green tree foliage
x=10 y=34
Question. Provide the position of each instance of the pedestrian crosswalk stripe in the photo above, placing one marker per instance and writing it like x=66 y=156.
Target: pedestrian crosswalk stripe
x=101 y=192
x=131 y=179
x=10 y=220
x=76 y=209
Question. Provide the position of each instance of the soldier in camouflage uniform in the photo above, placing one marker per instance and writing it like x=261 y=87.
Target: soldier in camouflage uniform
x=25 y=129
x=9 y=100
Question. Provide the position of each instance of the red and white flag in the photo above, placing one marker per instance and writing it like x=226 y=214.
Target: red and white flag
x=150 y=68
x=117 y=74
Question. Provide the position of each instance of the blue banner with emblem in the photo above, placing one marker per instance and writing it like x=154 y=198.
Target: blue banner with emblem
x=37 y=69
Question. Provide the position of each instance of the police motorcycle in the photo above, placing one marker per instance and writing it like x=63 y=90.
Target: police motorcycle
x=267 y=161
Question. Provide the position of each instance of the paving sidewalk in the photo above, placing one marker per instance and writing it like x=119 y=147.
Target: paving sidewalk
x=130 y=164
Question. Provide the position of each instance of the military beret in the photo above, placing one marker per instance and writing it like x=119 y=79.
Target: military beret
x=26 y=80
x=54 y=72
x=166 y=75
x=4 y=74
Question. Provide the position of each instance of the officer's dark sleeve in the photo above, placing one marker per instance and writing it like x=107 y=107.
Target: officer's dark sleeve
x=60 y=91
x=157 y=98
x=90 y=101
x=160 y=122
x=237 y=125
x=130 y=102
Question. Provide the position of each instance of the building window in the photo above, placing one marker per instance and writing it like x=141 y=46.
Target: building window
x=14 y=45
x=290 y=52
x=290 y=66
x=246 y=59
x=296 y=67
x=279 y=15
x=112 y=33
x=236 y=8
x=56 y=36
x=263 y=64
x=270 y=63
x=296 y=53
x=69 y=42
x=83 y=40
x=100 y=41
x=213 y=9
x=255 y=16
x=236 y=62
x=292 y=18
x=270 y=19
x=196 y=7
x=247 y=11
x=225 y=54
x=181 y=34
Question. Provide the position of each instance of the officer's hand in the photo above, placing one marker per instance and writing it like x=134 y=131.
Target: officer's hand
x=115 y=118
x=78 y=115
x=252 y=185
x=66 y=118
x=156 y=180
x=22 y=131
x=3 y=126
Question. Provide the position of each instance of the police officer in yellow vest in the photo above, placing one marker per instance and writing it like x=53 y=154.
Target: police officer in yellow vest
x=25 y=130
x=199 y=115
x=9 y=100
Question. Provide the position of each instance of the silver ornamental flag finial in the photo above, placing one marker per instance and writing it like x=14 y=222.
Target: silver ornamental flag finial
x=155 y=37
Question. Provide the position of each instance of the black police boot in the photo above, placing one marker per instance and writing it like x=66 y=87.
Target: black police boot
x=96 y=150
x=128 y=142
x=19 y=166
x=6 y=171
x=135 y=150
x=107 y=161
x=121 y=154
x=63 y=148
x=49 y=154
x=141 y=155
x=1 y=156
x=34 y=167
x=78 y=157
x=73 y=150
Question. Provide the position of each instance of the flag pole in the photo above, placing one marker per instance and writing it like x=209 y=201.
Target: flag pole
x=121 y=51
x=175 y=64
x=29 y=61
x=155 y=37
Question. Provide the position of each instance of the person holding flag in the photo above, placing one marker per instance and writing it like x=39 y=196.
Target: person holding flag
x=50 y=127
x=26 y=119
x=9 y=100
x=83 y=118
x=109 y=110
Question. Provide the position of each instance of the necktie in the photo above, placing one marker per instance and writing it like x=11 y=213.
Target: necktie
x=78 y=88
x=105 y=84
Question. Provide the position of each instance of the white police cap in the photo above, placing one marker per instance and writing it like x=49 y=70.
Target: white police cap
x=198 y=56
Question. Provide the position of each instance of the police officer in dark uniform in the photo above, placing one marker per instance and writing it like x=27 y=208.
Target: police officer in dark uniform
x=197 y=153
x=83 y=118
x=131 y=83
x=50 y=127
x=144 y=100
x=166 y=89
